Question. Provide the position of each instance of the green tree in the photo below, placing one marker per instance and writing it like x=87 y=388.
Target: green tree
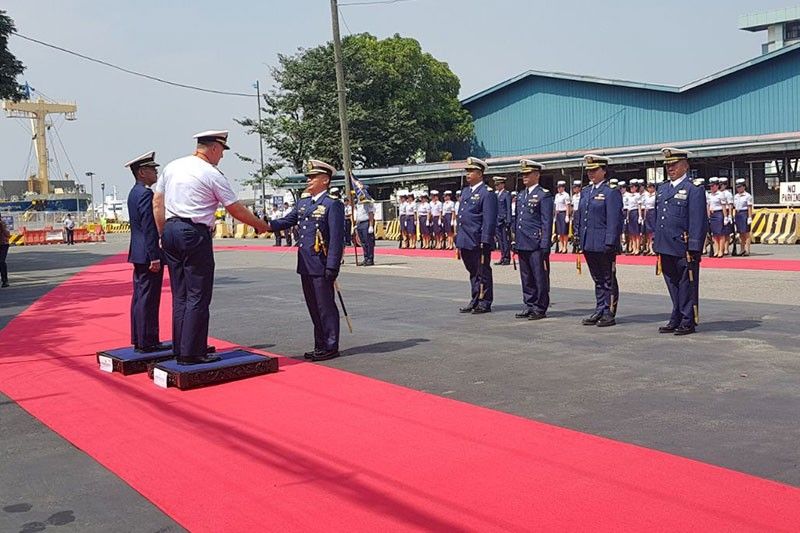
x=402 y=105
x=10 y=66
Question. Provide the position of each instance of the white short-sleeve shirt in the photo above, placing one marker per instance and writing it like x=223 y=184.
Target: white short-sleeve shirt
x=715 y=201
x=193 y=188
x=561 y=200
x=743 y=200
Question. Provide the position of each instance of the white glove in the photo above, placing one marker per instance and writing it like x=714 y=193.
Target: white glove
x=726 y=220
x=370 y=230
x=566 y=220
x=641 y=220
x=749 y=220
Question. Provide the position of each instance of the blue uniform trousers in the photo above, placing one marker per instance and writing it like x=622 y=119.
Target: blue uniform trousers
x=603 y=269
x=190 y=256
x=534 y=272
x=321 y=303
x=479 y=273
x=684 y=293
x=367 y=240
x=3 y=265
x=503 y=242
x=144 y=305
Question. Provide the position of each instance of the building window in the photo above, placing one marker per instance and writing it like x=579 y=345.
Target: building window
x=791 y=31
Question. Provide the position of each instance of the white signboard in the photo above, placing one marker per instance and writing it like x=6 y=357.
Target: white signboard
x=790 y=193
x=160 y=377
x=106 y=364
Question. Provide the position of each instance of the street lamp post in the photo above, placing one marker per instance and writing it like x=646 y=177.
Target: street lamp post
x=103 y=192
x=91 y=181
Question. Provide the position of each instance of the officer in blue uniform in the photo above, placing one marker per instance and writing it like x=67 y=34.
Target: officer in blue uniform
x=599 y=225
x=681 y=227
x=320 y=221
x=503 y=220
x=477 y=224
x=145 y=254
x=534 y=229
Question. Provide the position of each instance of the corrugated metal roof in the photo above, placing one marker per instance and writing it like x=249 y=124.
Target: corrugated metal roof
x=632 y=84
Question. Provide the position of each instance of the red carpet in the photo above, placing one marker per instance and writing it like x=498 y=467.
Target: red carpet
x=740 y=263
x=314 y=448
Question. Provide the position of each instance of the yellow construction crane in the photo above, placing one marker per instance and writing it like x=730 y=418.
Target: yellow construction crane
x=37 y=112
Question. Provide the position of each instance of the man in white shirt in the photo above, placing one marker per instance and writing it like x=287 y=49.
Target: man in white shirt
x=365 y=226
x=186 y=199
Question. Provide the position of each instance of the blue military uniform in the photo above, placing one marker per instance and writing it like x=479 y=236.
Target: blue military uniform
x=533 y=231
x=598 y=225
x=143 y=250
x=503 y=223
x=320 y=222
x=680 y=233
x=477 y=224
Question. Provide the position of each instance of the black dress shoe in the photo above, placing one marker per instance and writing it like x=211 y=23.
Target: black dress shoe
x=669 y=328
x=684 y=330
x=498 y=262
x=481 y=310
x=537 y=316
x=467 y=309
x=198 y=360
x=155 y=348
x=309 y=355
x=324 y=355
x=524 y=314
x=606 y=320
x=592 y=320
x=5 y=284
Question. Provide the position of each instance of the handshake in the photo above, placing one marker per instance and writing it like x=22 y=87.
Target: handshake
x=261 y=227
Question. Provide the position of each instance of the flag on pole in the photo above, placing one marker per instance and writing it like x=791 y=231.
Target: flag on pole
x=360 y=190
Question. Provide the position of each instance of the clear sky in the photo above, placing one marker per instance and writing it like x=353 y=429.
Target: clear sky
x=229 y=45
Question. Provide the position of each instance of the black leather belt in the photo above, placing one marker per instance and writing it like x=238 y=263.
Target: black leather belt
x=188 y=221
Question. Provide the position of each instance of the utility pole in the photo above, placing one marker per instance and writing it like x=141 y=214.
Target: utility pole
x=261 y=148
x=103 y=192
x=340 y=90
x=91 y=181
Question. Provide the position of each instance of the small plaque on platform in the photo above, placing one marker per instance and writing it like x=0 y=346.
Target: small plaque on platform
x=128 y=361
x=160 y=378
x=235 y=364
x=106 y=364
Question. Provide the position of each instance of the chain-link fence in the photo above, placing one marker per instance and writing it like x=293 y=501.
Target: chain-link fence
x=36 y=220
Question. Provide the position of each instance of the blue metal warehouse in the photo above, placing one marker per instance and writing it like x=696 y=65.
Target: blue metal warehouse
x=741 y=122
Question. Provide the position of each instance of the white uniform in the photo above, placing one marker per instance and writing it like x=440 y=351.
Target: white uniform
x=576 y=200
x=436 y=209
x=194 y=188
x=363 y=209
x=422 y=210
x=649 y=201
x=715 y=201
x=742 y=201
x=561 y=200
x=448 y=206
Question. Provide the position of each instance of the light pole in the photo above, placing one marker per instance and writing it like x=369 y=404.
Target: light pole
x=261 y=148
x=103 y=192
x=91 y=181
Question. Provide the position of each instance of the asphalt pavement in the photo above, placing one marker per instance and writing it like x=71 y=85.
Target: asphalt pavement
x=727 y=395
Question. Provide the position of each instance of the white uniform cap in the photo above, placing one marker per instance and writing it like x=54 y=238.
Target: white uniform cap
x=723 y=180
x=220 y=136
x=740 y=181
x=621 y=182
x=434 y=191
x=513 y=193
x=613 y=180
x=145 y=160
x=577 y=183
x=529 y=165
x=473 y=163
x=448 y=192
x=315 y=166
x=713 y=180
x=561 y=182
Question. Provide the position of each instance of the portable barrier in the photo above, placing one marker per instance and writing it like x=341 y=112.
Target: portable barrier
x=222 y=230
x=16 y=239
x=392 y=231
x=775 y=226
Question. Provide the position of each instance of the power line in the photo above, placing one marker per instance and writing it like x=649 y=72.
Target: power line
x=63 y=149
x=373 y=2
x=346 y=25
x=132 y=72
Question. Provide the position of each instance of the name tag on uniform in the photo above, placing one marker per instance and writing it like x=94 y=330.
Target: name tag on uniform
x=319 y=211
x=681 y=195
